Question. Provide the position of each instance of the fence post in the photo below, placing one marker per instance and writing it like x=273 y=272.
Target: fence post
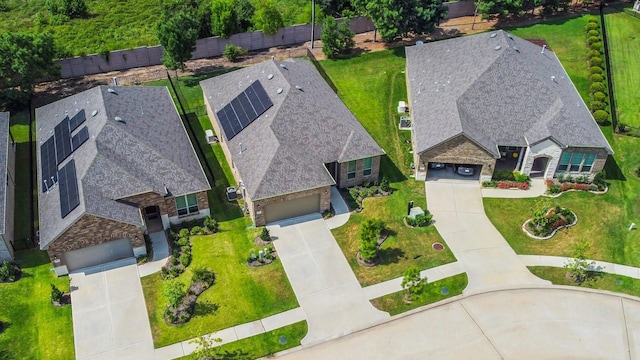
x=607 y=59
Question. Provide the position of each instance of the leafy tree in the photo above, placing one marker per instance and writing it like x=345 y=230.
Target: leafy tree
x=304 y=17
x=174 y=292
x=70 y=8
x=56 y=294
x=396 y=18
x=506 y=7
x=369 y=238
x=244 y=11
x=224 y=19
x=578 y=266
x=233 y=52
x=207 y=346
x=267 y=17
x=177 y=34
x=336 y=38
x=24 y=59
x=412 y=283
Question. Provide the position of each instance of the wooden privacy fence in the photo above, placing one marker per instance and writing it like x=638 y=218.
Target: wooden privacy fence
x=214 y=46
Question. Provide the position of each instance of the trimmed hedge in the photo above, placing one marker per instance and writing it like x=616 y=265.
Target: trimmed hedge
x=600 y=116
x=599 y=96
x=597 y=78
x=596 y=61
x=591 y=26
x=595 y=70
x=593 y=33
x=597 y=86
x=593 y=53
x=598 y=105
x=596 y=46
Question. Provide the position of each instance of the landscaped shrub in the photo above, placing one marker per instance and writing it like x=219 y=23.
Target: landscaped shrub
x=595 y=70
x=56 y=295
x=595 y=61
x=233 y=52
x=596 y=46
x=601 y=116
x=210 y=223
x=591 y=33
x=599 y=96
x=384 y=184
x=600 y=180
x=503 y=175
x=424 y=219
x=264 y=235
x=8 y=271
x=184 y=233
x=593 y=39
x=597 y=78
x=591 y=26
x=597 y=86
x=598 y=105
x=593 y=20
x=202 y=274
x=594 y=53
x=518 y=177
x=185 y=259
x=490 y=184
x=197 y=230
x=546 y=219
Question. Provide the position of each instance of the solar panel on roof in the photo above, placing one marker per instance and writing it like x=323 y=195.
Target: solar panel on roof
x=48 y=164
x=63 y=140
x=79 y=138
x=77 y=120
x=68 y=183
x=244 y=109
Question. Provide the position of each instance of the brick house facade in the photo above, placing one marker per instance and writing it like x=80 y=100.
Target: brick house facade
x=460 y=150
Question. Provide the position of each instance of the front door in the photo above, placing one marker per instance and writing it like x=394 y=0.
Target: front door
x=539 y=166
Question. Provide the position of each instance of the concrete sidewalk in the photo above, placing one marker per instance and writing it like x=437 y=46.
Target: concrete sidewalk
x=340 y=208
x=559 y=261
x=327 y=290
x=160 y=246
x=234 y=333
x=486 y=256
x=395 y=285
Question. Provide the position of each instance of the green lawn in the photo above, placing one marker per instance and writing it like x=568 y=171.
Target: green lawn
x=624 y=48
x=433 y=292
x=603 y=219
x=380 y=75
x=240 y=294
x=610 y=282
x=37 y=329
x=263 y=345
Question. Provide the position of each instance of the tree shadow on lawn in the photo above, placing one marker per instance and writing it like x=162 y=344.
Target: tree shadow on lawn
x=391 y=256
x=390 y=170
x=205 y=73
x=235 y=355
x=205 y=308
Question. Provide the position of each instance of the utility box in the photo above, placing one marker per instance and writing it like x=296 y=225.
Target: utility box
x=211 y=138
x=402 y=107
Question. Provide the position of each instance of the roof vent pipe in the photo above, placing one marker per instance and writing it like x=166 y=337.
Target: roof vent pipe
x=553 y=78
x=299 y=87
x=543 y=48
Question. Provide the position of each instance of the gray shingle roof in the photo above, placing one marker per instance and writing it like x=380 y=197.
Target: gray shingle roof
x=497 y=89
x=285 y=149
x=149 y=150
x=4 y=162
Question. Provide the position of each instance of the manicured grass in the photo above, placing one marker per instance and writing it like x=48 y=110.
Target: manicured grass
x=624 y=49
x=240 y=294
x=36 y=329
x=603 y=281
x=433 y=292
x=22 y=216
x=359 y=81
x=603 y=219
x=263 y=345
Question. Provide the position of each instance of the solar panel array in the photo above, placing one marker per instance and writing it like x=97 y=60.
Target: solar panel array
x=244 y=109
x=54 y=151
x=49 y=164
x=68 y=183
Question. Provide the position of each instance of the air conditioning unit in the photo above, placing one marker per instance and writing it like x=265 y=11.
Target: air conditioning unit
x=211 y=137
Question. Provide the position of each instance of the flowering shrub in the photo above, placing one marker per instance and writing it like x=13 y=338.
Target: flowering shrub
x=513 y=184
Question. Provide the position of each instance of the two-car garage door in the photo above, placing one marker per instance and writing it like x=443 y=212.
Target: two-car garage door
x=292 y=208
x=98 y=254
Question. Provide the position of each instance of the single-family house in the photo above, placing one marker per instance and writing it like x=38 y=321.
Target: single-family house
x=7 y=188
x=494 y=100
x=114 y=163
x=288 y=138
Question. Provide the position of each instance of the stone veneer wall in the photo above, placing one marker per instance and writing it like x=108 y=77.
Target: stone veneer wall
x=167 y=205
x=461 y=150
x=92 y=230
x=360 y=177
x=258 y=215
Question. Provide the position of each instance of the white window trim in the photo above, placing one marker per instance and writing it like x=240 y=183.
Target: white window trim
x=364 y=169
x=188 y=208
x=352 y=174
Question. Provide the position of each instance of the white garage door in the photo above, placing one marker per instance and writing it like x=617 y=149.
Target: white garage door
x=292 y=208
x=98 y=254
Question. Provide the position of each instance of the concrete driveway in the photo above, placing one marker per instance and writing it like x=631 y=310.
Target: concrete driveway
x=109 y=314
x=486 y=256
x=545 y=323
x=327 y=290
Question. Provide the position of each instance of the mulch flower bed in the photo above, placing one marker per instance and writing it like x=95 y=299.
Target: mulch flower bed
x=185 y=310
x=367 y=264
x=555 y=219
x=259 y=242
x=66 y=300
x=9 y=272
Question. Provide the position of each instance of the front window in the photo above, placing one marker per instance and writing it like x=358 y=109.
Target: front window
x=576 y=161
x=368 y=164
x=187 y=204
x=351 y=170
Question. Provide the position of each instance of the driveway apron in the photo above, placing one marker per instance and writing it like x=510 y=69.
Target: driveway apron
x=109 y=314
x=486 y=256
x=327 y=290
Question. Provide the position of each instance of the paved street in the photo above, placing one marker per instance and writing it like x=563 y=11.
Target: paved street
x=544 y=323
x=109 y=314
x=485 y=255
x=327 y=290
